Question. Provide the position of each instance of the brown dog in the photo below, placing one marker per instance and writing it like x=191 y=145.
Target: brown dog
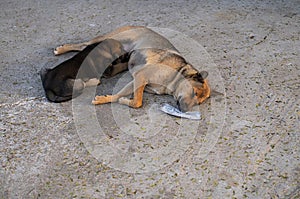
x=156 y=67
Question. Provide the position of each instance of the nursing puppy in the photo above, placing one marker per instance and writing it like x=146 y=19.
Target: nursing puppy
x=69 y=78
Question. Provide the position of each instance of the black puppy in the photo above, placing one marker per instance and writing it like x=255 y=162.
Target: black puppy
x=68 y=79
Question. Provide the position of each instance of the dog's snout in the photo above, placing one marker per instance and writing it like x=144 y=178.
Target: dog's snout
x=182 y=106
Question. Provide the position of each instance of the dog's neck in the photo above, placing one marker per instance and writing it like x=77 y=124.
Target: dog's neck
x=179 y=77
x=172 y=85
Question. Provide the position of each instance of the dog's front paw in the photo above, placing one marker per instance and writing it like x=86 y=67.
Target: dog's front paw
x=124 y=100
x=130 y=102
x=100 y=100
x=103 y=99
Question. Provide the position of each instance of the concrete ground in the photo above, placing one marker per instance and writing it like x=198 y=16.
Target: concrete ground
x=245 y=146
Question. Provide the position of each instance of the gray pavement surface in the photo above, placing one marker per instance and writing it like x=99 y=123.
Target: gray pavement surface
x=246 y=145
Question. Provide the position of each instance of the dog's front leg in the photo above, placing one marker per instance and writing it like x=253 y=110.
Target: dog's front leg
x=137 y=101
x=127 y=90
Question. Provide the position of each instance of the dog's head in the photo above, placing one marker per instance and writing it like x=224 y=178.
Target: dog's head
x=192 y=90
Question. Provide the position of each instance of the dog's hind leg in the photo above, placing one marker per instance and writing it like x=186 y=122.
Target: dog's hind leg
x=119 y=65
x=80 y=46
x=70 y=47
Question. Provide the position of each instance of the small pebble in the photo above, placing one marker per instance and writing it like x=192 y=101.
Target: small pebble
x=251 y=36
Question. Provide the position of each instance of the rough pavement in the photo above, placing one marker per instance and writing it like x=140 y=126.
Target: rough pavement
x=253 y=148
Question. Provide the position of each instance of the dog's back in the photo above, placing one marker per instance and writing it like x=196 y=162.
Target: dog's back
x=142 y=38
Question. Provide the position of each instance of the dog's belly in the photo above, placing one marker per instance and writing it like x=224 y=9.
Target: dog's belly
x=157 y=89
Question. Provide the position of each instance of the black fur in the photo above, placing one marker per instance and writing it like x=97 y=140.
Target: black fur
x=59 y=82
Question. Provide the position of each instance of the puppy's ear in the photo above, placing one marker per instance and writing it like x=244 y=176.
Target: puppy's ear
x=204 y=74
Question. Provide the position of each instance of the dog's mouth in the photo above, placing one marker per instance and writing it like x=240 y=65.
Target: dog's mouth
x=181 y=105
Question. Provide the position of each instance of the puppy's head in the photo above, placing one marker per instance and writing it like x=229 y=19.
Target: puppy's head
x=57 y=90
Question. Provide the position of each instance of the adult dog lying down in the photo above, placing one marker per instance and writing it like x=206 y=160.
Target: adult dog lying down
x=155 y=64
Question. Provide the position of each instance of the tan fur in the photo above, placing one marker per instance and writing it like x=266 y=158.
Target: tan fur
x=156 y=66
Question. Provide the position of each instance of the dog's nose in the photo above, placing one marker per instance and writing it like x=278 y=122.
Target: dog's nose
x=182 y=106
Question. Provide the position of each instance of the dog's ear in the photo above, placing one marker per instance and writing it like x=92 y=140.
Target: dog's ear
x=204 y=74
x=200 y=77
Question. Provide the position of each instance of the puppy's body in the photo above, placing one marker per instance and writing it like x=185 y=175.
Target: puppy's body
x=156 y=67
x=84 y=69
